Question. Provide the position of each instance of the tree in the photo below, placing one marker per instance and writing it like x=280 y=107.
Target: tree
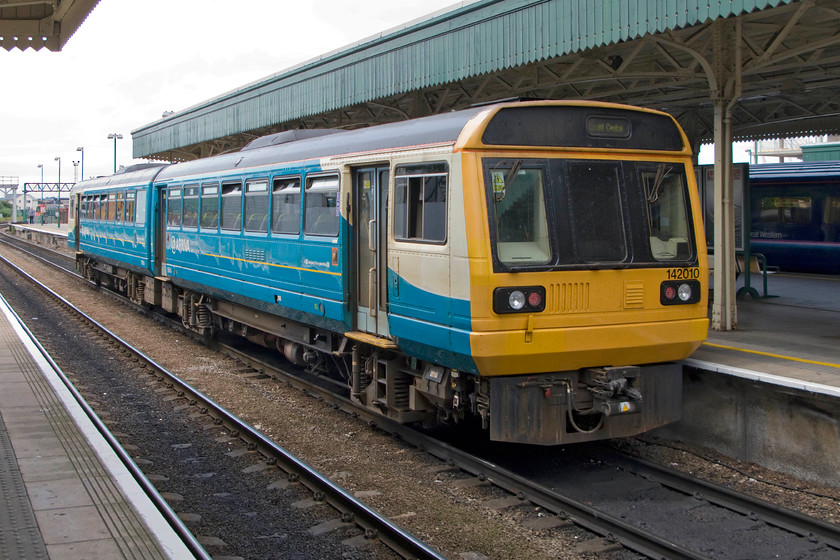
x=5 y=209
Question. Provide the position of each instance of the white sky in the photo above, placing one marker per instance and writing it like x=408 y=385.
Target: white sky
x=131 y=61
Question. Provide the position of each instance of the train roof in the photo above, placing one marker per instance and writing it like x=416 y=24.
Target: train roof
x=535 y=123
x=427 y=131
x=139 y=174
x=803 y=170
x=538 y=124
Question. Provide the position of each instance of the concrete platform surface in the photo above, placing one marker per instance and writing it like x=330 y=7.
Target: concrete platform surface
x=791 y=338
x=65 y=493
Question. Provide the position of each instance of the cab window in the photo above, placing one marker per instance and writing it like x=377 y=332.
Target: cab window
x=667 y=206
x=595 y=209
x=519 y=212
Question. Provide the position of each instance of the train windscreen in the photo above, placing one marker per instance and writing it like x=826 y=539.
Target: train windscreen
x=547 y=213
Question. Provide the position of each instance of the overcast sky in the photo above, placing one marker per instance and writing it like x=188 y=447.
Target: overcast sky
x=131 y=61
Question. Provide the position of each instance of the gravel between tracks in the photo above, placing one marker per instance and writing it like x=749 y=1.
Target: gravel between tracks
x=412 y=488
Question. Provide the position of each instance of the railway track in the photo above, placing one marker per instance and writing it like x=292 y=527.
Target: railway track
x=287 y=469
x=727 y=522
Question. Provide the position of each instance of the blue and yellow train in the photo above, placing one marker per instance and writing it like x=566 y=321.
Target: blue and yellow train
x=535 y=265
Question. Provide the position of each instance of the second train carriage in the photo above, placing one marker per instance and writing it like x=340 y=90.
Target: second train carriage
x=532 y=264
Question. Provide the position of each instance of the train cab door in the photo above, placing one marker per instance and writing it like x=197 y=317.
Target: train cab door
x=370 y=190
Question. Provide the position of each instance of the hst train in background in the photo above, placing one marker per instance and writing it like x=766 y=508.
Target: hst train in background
x=534 y=265
x=795 y=215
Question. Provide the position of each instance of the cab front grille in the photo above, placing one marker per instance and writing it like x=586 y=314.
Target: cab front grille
x=568 y=297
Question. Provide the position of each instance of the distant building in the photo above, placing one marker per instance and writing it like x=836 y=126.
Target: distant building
x=31 y=201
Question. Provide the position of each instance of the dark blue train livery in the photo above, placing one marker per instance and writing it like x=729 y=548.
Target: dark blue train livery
x=795 y=215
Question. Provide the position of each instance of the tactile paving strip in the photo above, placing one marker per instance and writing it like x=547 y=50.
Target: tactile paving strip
x=125 y=526
x=19 y=535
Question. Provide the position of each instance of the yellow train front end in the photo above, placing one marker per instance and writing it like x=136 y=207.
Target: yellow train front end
x=588 y=274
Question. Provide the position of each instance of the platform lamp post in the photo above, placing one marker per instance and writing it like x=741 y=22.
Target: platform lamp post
x=82 y=149
x=58 y=220
x=116 y=137
x=41 y=166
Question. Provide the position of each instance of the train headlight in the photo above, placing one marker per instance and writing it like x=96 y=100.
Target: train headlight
x=516 y=300
x=529 y=299
x=679 y=291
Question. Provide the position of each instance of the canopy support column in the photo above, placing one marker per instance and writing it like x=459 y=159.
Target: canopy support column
x=727 y=68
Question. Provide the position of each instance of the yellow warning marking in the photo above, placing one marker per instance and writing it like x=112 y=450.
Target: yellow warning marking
x=771 y=355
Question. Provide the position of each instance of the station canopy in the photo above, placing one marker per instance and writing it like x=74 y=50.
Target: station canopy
x=774 y=65
x=38 y=24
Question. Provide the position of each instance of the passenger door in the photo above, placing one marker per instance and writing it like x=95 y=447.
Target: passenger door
x=370 y=189
x=158 y=218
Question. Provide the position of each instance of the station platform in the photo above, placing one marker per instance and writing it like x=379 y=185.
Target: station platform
x=790 y=339
x=66 y=494
x=52 y=229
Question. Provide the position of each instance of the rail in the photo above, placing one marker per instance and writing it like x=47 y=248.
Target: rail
x=352 y=510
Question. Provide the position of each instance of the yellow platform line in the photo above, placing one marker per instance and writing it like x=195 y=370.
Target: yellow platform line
x=771 y=355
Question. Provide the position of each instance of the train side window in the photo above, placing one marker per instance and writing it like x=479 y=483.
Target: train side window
x=140 y=207
x=99 y=206
x=256 y=206
x=786 y=210
x=83 y=207
x=285 y=206
x=209 y=206
x=173 y=207
x=420 y=202
x=232 y=206
x=119 y=207
x=190 y=206
x=667 y=212
x=110 y=211
x=129 y=207
x=595 y=209
x=321 y=206
x=831 y=219
x=519 y=212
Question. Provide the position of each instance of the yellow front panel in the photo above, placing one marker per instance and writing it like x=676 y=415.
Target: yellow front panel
x=592 y=318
